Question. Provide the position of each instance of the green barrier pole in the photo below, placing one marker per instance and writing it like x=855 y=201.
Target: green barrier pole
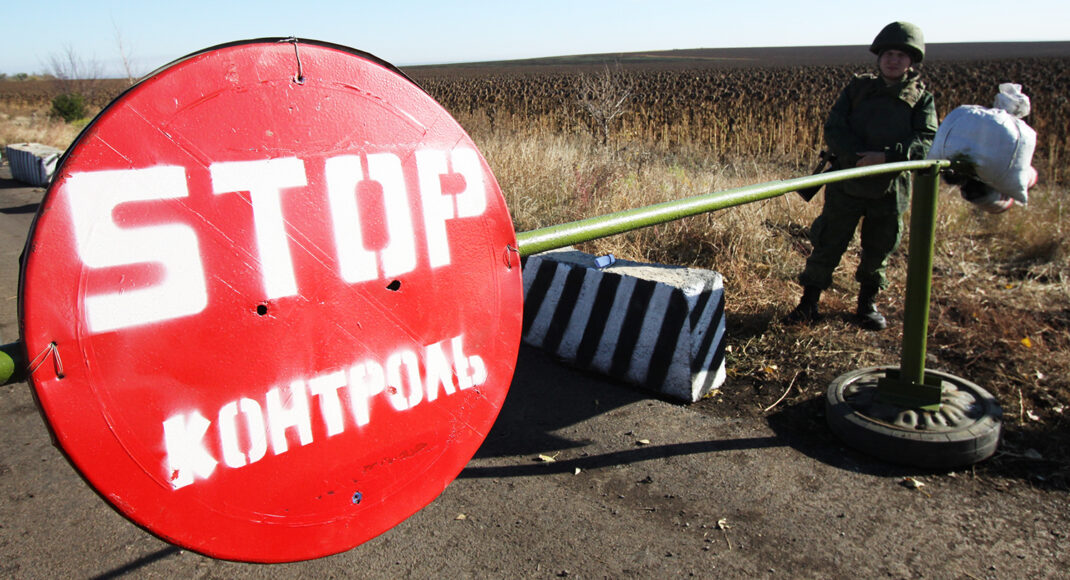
x=559 y=236
x=910 y=388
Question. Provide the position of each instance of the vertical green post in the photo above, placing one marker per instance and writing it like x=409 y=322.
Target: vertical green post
x=919 y=275
x=910 y=388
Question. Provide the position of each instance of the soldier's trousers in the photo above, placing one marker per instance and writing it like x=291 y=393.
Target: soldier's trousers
x=832 y=231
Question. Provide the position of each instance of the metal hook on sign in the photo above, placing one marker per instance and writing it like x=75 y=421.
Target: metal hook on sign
x=509 y=251
x=299 y=78
x=43 y=355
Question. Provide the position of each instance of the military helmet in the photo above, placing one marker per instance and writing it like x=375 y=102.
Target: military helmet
x=902 y=36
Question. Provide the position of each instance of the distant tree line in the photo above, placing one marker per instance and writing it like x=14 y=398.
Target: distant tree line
x=26 y=77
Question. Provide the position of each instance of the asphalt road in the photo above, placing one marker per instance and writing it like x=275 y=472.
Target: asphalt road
x=639 y=487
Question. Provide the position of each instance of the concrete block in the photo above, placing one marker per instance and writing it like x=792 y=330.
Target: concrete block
x=32 y=163
x=655 y=326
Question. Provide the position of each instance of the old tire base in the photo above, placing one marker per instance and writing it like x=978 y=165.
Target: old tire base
x=964 y=431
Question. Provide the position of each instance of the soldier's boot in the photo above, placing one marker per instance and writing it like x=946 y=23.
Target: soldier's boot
x=868 y=315
x=806 y=311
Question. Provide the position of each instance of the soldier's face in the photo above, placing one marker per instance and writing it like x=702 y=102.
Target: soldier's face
x=893 y=64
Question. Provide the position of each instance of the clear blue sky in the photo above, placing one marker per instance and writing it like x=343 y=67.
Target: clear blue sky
x=431 y=32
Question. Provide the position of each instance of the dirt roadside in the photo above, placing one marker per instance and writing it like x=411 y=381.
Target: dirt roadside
x=639 y=487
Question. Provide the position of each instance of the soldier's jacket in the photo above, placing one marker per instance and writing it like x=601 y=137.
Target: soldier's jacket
x=870 y=115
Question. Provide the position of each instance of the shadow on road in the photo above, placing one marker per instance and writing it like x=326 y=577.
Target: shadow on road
x=547 y=396
x=25 y=208
x=140 y=563
x=7 y=183
x=555 y=397
x=622 y=457
x=802 y=426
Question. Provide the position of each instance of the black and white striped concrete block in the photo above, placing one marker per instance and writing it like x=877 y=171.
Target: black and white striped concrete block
x=658 y=327
x=32 y=163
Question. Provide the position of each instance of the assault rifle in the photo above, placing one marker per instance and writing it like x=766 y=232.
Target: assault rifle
x=824 y=164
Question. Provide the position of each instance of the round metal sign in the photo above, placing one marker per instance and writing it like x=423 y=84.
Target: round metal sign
x=272 y=300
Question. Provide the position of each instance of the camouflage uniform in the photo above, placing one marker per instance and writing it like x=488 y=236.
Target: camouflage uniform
x=869 y=115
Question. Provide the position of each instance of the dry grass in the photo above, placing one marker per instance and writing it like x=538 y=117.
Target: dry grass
x=26 y=124
x=748 y=112
x=25 y=106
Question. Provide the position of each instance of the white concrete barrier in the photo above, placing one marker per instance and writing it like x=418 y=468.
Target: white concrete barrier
x=32 y=163
x=658 y=327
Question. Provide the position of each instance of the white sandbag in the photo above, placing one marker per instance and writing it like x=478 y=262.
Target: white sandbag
x=997 y=144
x=1010 y=98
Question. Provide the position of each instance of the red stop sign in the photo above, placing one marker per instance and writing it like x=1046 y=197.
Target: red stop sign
x=273 y=300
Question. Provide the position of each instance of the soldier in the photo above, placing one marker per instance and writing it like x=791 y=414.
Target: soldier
x=880 y=118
